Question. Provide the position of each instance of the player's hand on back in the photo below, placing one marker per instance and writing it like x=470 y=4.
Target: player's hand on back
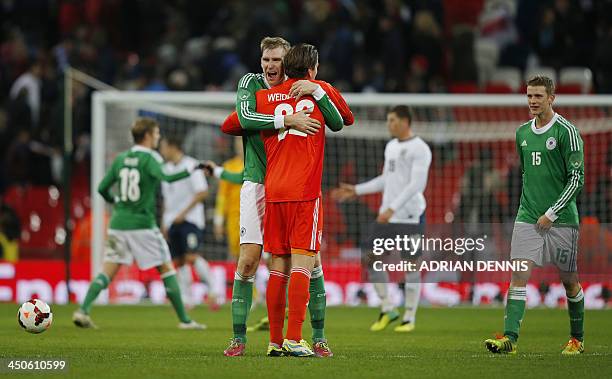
x=344 y=192
x=302 y=88
x=301 y=121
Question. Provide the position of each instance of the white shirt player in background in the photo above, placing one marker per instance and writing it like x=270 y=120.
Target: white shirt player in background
x=402 y=182
x=183 y=220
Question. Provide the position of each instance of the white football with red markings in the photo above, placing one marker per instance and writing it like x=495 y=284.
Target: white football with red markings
x=35 y=316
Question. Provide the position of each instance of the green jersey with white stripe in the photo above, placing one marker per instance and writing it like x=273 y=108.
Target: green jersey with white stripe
x=138 y=173
x=552 y=164
x=253 y=123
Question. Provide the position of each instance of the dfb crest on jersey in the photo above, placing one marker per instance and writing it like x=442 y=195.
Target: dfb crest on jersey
x=242 y=231
x=551 y=143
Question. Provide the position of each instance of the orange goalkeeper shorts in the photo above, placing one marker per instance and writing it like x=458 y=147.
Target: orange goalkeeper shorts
x=296 y=224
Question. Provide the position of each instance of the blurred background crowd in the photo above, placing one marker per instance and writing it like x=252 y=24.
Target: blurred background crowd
x=417 y=46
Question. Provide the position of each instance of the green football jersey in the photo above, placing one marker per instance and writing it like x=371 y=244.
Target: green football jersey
x=253 y=122
x=232 y=177
x=138 y=173
x=552 y=164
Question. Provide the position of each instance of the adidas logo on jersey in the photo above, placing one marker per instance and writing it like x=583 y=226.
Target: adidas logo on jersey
x=524 y=143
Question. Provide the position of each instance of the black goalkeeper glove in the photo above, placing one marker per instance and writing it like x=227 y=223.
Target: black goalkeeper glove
x=207 y=167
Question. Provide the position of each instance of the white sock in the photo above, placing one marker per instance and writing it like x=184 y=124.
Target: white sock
x=184 y=278
x=383 y=294
x=203 y=270
x=412 y=295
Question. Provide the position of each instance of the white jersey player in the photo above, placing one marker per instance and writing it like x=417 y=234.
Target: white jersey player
x=404 y=178
x=183 y=219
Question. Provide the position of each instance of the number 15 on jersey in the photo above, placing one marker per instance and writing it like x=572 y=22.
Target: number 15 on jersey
x=536 y=158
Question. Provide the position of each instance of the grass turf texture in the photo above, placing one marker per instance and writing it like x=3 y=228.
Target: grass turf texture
x=143 y=341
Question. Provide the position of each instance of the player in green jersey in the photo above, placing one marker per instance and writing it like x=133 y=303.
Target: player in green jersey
x=546 y=228
x=133 y=231
x=252 y=201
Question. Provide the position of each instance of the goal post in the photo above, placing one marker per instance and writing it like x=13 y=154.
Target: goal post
x=460 y=129
x=181 y=105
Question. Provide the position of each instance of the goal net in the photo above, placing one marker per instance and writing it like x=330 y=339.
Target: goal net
x=474 y=177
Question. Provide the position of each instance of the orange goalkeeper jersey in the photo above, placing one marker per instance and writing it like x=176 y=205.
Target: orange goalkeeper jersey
x=295 y=159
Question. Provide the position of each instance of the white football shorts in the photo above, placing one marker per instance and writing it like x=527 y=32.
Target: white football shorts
x=252 y=210
x=147 y=246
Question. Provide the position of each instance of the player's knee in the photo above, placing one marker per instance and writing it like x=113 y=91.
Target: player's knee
x=519 y=279
x=280 y=263
x=178 y=261
x=570 y=281
x=165 y=268
x=110 y=270
x=572 y=286
x=247 y=265
x=302 y=258
x=190 y=258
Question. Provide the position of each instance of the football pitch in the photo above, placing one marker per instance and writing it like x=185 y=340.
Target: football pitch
x=144 y=342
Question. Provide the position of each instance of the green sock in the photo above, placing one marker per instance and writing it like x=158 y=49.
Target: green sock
x=97 y=285
x=242 y=298
x=174 y=294
x=515 y=310
x=575 y=308
x=317 y=304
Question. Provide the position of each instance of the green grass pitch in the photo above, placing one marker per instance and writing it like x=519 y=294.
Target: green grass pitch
x=143 y=342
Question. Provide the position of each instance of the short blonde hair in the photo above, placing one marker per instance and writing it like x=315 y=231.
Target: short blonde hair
x=542 y=81
x=141 y=127
x=269 y=43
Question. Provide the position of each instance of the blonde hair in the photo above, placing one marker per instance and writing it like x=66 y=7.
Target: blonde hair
x=141 y=127
x=269 y=43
